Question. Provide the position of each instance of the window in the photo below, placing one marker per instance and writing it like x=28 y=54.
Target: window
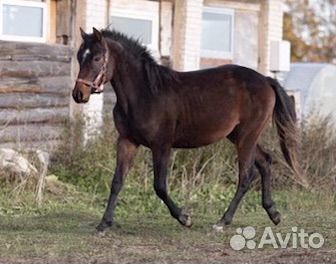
x=217 y=33
x=139 y=20
x=134 y=27
x=22 y=20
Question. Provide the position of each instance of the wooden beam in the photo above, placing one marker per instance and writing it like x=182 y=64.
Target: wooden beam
x=32 y=100
x=50 y=146
x=16 y=51
x=35 y=115
x=31 y=132
x=52 y=20
x=242 y=5
x=60 y=85
x=28 y=69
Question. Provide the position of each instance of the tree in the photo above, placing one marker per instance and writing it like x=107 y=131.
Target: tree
x=310 y=26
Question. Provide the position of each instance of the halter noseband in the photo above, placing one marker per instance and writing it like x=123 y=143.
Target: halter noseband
x=97 y=85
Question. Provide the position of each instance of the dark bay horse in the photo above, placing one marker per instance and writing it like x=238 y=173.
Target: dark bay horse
x=163 y=109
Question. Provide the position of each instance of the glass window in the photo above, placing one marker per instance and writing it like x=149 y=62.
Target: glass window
x=217 y=32
x=22 y=20
x=134 y=27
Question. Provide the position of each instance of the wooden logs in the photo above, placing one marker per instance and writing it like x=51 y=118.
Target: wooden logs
x=35 y=88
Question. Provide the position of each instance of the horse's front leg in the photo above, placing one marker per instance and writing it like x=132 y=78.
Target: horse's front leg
x=126 y=151
x=160 y=162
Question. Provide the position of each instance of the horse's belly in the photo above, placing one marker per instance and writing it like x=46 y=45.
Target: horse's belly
x=193 y=137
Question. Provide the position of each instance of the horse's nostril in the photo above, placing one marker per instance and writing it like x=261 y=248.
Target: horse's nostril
x=77 y=95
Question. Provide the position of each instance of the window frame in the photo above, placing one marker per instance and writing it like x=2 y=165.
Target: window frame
x=126 y=13
x=220 y=54
x=24 y=3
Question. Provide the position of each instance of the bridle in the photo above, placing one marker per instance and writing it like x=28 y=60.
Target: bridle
x=97 y=85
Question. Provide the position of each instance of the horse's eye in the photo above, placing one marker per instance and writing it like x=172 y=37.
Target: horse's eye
x=98 y=58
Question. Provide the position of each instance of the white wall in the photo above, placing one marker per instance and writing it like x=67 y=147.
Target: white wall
x=270 y=29
x=187 y=34
x=96 y=16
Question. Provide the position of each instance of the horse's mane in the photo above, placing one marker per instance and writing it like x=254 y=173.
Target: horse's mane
x=158 y=77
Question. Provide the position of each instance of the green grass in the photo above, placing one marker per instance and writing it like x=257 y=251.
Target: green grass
x=63 y=229
x=203 y=180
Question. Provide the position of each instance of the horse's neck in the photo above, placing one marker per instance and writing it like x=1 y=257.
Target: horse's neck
x=126 y=86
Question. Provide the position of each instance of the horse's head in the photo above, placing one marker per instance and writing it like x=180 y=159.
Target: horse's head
x=96 y=65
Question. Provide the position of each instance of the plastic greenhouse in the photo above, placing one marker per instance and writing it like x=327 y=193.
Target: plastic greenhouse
x=316 y=84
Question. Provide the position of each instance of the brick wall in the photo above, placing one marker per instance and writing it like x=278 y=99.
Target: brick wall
x=212 y=62
x=270 y=29
x=256 y=24
x=187 y=34
x=96 y=16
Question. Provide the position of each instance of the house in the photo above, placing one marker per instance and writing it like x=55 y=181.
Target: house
x=185 y=34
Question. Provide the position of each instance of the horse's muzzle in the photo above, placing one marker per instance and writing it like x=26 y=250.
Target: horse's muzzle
x=79 y=97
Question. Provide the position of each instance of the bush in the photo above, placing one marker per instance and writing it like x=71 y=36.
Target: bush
x=319 y=150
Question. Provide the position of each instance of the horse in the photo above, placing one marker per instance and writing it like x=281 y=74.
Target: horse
x=163 y=109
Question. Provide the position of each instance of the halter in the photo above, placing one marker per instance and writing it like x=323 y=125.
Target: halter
x=97 y=86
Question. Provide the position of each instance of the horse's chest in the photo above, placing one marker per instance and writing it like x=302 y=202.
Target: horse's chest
x=143 y=130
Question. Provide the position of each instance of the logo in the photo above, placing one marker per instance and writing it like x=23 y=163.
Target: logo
x=246 y=238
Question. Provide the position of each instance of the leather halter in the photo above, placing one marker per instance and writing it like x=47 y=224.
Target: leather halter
x=97 y=85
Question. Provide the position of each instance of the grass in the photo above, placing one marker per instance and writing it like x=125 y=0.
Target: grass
x=203 y=180
x=90 y=166
x=63 y=230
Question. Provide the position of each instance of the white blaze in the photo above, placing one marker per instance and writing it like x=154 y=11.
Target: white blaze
x=85 y=54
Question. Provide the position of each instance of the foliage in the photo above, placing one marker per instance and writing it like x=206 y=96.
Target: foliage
x=318 y=146
x=310 y=26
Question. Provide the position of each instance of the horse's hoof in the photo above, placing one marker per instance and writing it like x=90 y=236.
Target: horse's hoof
x=101 y=228
x=100 y=233
x=185 y=219
x=276 y=218
x=218 y=227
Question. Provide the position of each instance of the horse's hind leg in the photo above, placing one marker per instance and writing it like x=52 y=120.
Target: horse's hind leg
x=247 y=172
x=245 y=137
x=263 y=163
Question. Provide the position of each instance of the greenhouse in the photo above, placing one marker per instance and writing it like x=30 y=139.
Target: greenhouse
x=316 y=85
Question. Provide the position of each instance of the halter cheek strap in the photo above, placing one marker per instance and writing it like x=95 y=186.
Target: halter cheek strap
x=97 y=84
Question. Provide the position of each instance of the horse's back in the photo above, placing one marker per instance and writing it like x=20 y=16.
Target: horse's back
x=214 y=101
x=222 y=73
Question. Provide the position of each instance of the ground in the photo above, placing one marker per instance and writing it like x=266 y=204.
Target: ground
x=67 y=235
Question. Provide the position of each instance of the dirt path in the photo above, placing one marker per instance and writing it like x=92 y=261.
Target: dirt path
x=68 y=237
x=145 y=254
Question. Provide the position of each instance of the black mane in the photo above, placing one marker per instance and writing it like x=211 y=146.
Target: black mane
x=158 y=77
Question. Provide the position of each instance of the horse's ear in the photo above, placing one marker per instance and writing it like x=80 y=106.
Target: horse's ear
x=97 y=34
x=83 y=34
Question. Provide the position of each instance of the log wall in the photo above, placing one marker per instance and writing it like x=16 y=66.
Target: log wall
x=35 y=86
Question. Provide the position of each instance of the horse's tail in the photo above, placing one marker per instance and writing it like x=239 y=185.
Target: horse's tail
x=284 y=116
